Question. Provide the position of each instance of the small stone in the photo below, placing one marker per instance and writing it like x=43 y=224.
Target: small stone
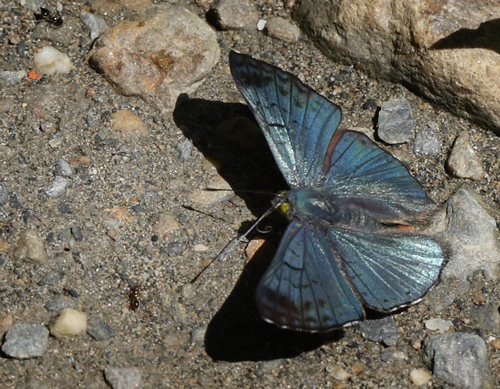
x=24 y=341
x=463 y=161
x=123 y=378
x=94 y=23
x=30 y=247
x=4 y=195
x=261 y=24
x=459 y=359
x=63 y=169
x=58 y=303
x=13 y=77
x=395 y=121
x=69 y=323
x=420 y=377
x=282 y=29
x=380 y=330
x=49 y=60
x=52 y=277
x=370 y=104
x=198 y=335
x=340 y=374
x=233 y=15
x=5 y=323
x=426 y=141
x=100 y=331
x=185 y=149
x=166 y=225
x=58 y=187
x=200 y=248
x=128 y=125
x=439 y=325
x=76 y=231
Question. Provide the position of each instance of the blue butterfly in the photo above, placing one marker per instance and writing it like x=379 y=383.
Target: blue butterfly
x=339 y=252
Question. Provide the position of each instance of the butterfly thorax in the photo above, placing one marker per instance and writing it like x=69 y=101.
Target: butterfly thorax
x=312 y=204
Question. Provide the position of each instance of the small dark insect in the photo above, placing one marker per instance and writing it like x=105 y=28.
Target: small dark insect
x=134 y=297
x=53 y=18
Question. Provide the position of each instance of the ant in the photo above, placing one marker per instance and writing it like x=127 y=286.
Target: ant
x=53 y=18
x=134 y=297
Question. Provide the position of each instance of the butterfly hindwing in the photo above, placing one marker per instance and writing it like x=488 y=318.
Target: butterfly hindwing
x=297 y=122
x=304 y=288
x=361 y=174
x=388 y=270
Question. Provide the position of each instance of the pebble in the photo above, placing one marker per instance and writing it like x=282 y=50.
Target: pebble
x=420 y=377
x=30 y=247
x=123 y=377
x=69 y=323
x=426 y=141
x=13 y=77
x=199 y=248
x=463 y=161
x=52 y=277
x=439 y=325
x=100 y=331
x=166 y=225
x=395 y=121
x=63 y=169
x=197 y=335
x=25 y=340
x=58 y=187
x=128 y=125
x=94 y=23
x=370 y=104
x=76 y=231
x=4 y=195
x=261 y=24
x=486 y=317
x=459 y=359
x=5 y=323
x=380 y=330
x=185 y=149
x=49 y=60
x=58 y=303
x=233 y=15
x=282 y=29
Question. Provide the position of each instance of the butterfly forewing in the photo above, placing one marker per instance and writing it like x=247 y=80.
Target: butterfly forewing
x=387 y=270
x=304 y=288
x=365 y=175
x=297 y=122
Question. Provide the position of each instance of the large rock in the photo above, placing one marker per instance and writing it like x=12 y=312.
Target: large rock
x=448 y=50
x=167 y=51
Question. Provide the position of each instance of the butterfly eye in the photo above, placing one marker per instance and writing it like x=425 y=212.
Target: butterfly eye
x=285 y=208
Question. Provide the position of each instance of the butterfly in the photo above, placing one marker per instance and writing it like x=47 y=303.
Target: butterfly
x=342 y=250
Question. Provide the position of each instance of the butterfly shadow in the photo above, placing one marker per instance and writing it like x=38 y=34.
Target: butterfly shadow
x=486 y=36
x=237 y=333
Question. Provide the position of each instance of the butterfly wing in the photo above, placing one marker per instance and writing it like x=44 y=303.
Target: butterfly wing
x=297 y=122
x=361 y=174
x=387 y=270
x=304 y=288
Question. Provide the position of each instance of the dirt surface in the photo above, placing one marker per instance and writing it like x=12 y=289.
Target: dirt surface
x=183 y=334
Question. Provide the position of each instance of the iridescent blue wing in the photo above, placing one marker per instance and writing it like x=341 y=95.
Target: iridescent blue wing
x=387 y=270
x=303 y=288
x=297 y=122
x=361 y=174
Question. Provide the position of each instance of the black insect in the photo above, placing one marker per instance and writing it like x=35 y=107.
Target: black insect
x=134 y=297
x=53 y=18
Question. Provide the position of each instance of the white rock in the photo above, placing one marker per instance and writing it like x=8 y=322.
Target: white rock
x=69 y=323
x=49 y=61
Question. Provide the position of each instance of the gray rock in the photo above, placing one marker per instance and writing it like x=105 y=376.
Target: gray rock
x=13 y=77
x=76 y=231
x=100 y=331
x=381 y=330
x=58 y=187
x=185 y=149
x=4 y=195
x=58 y=303
x=123 y=378
x=63 y=169
x=437 y=56
x=52 y=277
x=24 y=341
x=395 y=121
x=459 y=359
x=234 y=15
x=167 y=51
x=426 y=141
x=282 y=29
x=94 y=23
x=463 y=161
x=471 y=234
x=486 y=317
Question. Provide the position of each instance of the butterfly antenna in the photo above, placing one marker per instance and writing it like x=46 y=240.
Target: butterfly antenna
x=231 y=245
